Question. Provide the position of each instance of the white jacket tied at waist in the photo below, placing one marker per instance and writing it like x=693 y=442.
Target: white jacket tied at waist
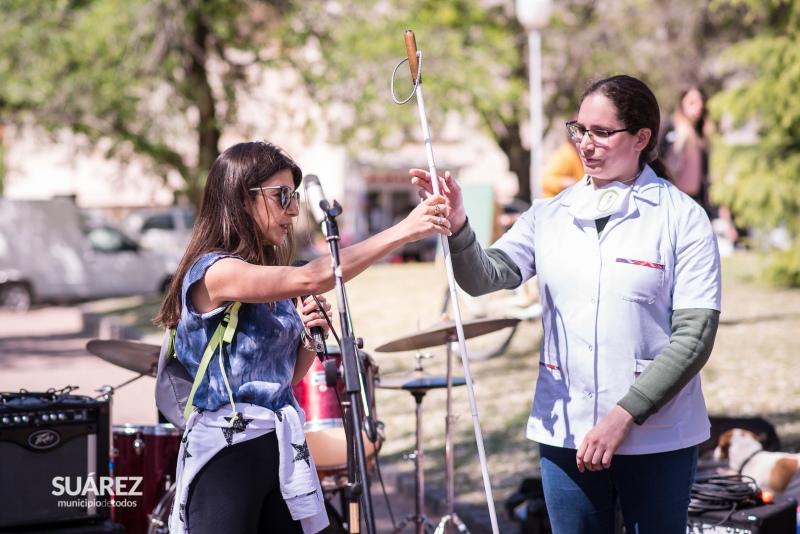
x=209 y=432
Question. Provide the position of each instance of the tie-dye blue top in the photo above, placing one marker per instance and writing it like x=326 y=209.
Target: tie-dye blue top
x=260 y=360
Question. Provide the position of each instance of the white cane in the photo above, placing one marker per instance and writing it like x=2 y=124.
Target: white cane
x=415 y=62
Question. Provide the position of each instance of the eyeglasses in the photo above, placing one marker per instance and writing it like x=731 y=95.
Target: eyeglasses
x=287 y=195
x=576 y=132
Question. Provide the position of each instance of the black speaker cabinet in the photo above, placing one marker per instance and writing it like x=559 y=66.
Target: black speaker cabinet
x=778 y=517
x=54 y=460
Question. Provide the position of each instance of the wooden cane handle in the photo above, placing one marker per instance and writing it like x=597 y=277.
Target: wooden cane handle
x=413 y=60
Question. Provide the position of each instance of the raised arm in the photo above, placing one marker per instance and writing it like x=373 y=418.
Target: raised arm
x=231 y=279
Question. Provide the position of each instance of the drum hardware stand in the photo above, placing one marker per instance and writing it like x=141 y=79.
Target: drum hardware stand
x=106 y=392
x=355 y=491
x=414 y=58
x=451 y=517
x=423 y=524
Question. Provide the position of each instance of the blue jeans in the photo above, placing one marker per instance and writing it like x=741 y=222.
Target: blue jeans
x=653 y=492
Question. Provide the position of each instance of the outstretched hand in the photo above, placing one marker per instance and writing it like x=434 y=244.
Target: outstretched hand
x=428 y=218
x=449 y=189
x=602 y=441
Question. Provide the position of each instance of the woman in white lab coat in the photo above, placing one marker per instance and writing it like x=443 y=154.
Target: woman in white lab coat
x=629 y=277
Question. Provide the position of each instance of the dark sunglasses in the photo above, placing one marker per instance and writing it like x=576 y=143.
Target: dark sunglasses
x=287 y=195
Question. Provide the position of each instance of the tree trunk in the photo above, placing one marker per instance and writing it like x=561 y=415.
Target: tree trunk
x=208 y=127
x=519 y=160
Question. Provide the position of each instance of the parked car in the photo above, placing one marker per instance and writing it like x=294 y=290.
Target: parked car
x=50 y=253
x=165 y=229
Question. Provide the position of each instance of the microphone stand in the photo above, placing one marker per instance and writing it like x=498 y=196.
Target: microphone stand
x=356 y=457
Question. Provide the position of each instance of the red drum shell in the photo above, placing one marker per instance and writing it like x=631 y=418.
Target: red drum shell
x=149 y=452
x=324 y=428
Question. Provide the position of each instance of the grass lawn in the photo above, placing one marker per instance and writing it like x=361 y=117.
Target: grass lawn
x=753 y=370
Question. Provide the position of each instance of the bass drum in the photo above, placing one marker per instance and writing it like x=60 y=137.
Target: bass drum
x=159 y=518
x=148 y=453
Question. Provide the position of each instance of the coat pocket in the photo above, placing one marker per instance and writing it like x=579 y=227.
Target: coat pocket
x=639 y=274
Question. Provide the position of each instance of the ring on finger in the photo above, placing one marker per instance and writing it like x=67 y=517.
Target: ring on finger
x=439 y=220
x=436 y=209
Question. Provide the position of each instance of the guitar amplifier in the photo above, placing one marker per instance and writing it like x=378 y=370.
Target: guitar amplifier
x=54 y=459
x=778 y=517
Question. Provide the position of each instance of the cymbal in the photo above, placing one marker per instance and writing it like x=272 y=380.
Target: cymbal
x=135 y=356
x=417 y=380
x=445 y=331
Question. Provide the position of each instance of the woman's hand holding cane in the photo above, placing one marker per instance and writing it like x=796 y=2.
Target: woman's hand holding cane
x=426 y=219
x=449 y=189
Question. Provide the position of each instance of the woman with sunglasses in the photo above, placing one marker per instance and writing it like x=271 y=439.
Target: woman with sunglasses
x=629 y=278
x=246 y=426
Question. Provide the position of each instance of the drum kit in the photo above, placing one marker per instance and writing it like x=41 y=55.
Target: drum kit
x=418 y=383
x=151 y=451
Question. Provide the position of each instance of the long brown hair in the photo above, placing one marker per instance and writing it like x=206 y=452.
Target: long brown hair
x=224 y=223
x=699 y=131
x=637 y=107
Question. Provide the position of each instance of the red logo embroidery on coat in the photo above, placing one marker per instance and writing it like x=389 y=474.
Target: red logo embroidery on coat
x=549 y=366
x=642 y=263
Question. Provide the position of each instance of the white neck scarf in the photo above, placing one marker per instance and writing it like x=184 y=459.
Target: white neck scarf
x=591 y=203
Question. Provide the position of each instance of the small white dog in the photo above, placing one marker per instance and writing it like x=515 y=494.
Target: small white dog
x=744 y=453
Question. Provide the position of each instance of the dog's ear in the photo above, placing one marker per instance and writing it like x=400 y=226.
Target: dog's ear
x=725 y=438
x=723 y=445
x=747 y=433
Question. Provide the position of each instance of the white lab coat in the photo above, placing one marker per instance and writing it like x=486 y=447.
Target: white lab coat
x=607 y=308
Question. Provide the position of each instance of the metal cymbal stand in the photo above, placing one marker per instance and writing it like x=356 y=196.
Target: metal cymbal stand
x=423 y=523
x=450 y=518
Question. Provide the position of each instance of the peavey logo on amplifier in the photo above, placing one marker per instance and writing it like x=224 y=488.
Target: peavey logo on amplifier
x=44 y=439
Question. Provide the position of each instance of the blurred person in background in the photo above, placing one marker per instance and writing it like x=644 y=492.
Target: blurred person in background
x=685 y=143
x=629 y=277
x=562 y=170
x=242 y=468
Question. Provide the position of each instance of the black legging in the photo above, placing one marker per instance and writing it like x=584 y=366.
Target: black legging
x=238 y=492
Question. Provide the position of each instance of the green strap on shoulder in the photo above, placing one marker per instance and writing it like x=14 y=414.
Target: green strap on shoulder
x=223 y=334
x=171 y=346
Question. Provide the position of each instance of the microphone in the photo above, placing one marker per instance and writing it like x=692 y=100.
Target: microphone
x=314 y=196
x=317 y=334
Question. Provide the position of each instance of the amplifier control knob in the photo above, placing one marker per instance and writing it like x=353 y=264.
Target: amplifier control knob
x=25 y=418
x=17 y=419
x=6 y=420
x=61 y=417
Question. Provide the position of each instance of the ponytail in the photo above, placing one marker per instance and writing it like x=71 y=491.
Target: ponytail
x=660 y=168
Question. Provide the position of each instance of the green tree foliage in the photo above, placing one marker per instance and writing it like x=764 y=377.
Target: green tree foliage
x=135 y=78
x=346 y=52
x=761 y=180
x=475 y=62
